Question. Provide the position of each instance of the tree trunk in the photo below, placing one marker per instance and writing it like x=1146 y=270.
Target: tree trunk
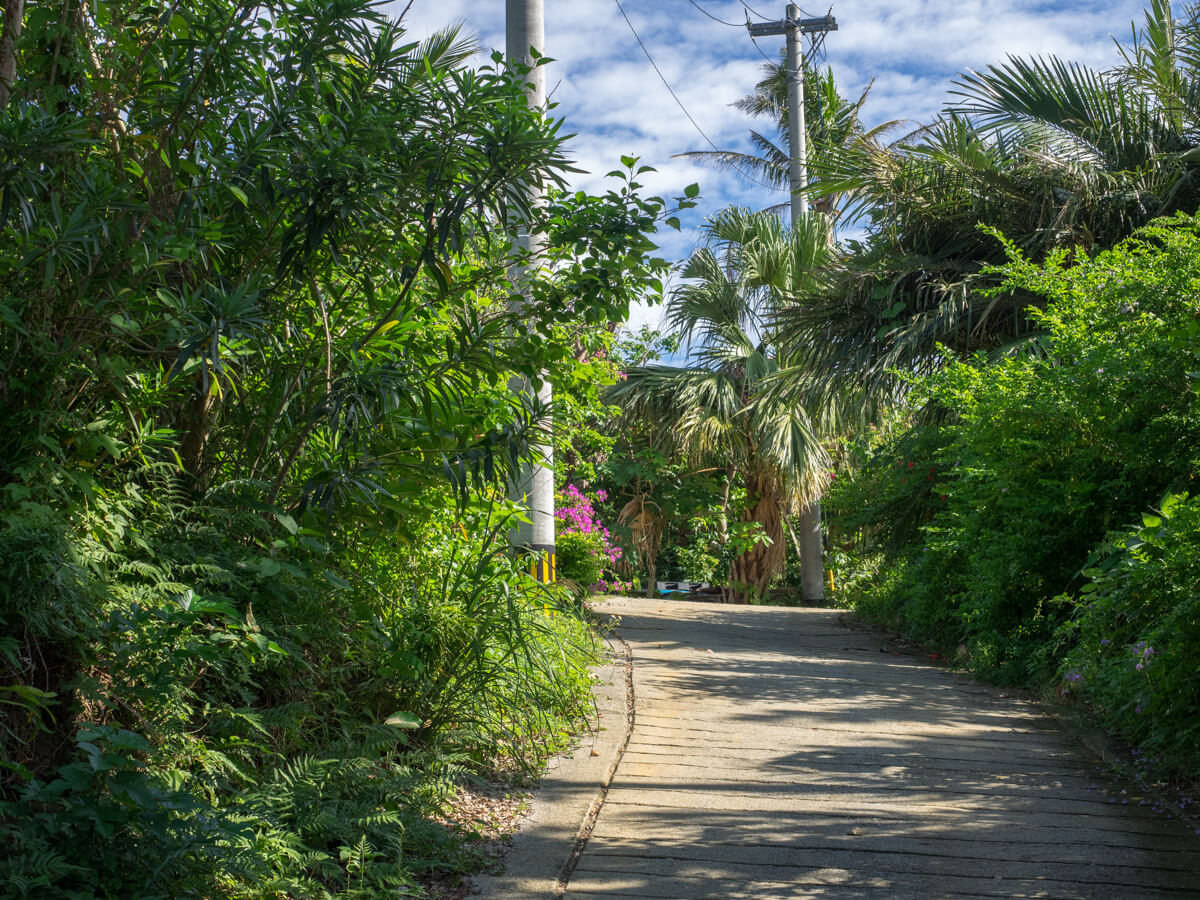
x=195 y=435
x=14 y=15
x=646 y=523
x=751 y=571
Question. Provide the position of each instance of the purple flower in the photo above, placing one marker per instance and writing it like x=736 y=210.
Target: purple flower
x=1142 y=651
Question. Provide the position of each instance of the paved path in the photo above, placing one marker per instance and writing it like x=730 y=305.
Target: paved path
x=777 y=753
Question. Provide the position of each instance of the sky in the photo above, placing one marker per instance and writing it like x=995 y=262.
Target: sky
x=614 y=102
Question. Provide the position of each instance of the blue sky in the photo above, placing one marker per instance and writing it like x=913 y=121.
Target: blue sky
x=615 y=103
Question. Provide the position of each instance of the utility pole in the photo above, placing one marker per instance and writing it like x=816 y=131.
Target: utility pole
x=812 y=556
x=533 y=486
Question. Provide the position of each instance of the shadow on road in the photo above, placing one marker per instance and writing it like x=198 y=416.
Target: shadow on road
x=778 y=753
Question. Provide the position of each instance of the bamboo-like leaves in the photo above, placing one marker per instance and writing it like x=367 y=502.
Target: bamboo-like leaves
x=1051 y=153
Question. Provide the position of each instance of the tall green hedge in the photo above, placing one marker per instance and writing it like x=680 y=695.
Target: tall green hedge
x=1028 y=466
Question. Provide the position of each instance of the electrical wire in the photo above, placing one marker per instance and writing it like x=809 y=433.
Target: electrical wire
x=760 y=50
x=752 y=10
x=736 y=25
x=818 y=38
x=714 y=18
x=679 y=103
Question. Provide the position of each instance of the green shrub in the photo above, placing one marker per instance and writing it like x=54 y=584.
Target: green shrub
x=579 y=557
x=697 y=563
x=473 y=648
x=1134 y=635
x=254 y=618
x=281 y=724
x=1021 y=464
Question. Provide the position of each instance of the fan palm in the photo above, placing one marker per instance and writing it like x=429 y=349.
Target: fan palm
x=1048 y=152
x=832 y=121
x=720 y=409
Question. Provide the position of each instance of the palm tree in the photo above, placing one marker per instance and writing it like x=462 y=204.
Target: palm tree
x=832 y=122
x=720 y=409
x=917 y=281
x=1050 y=153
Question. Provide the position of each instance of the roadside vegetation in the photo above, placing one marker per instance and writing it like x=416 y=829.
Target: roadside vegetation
x=997 y=375
x=258 y=616
x=259 y=621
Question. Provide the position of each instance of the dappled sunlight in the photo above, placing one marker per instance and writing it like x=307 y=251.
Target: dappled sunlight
x=778 y=753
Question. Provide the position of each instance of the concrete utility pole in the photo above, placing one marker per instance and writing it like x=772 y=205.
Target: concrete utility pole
x=534 y=485
x=812 y=556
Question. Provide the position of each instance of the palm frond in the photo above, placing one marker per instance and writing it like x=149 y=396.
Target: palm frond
x=791 y=447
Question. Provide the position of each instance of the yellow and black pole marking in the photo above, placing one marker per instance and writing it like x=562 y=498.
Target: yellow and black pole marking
x=541 y=562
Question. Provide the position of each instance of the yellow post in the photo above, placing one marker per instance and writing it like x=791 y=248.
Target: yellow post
x=541 y=564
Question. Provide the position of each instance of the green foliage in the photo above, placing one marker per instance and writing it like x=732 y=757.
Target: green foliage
x=474 y=649
x=1134 y=635
x=996 y=500
x=579 y=557
x=257 y=336
x=310 y=738
x=697 y=548
x=1044 y=401
x=101 y=821
x=634 y=468
x=724 y=410
x=698 y=562
x=832 y=122
x=1053 y=152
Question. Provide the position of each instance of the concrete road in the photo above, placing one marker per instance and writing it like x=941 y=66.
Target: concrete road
x=778 y=753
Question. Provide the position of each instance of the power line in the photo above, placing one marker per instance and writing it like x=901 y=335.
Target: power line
x=751 y=9
x=817 y=45
x=679 y=102
x=818 y=39
x=760 y=51
x=714 y=18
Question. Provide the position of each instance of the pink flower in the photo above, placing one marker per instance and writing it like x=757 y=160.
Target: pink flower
x=578 y=516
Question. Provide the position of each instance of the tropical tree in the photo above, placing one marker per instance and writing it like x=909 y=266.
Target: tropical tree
x=720 y=409
x=832 y=121
x=1052 y=153
x=253 y=284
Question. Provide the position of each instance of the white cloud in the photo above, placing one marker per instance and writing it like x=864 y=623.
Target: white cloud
x=614 y=101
